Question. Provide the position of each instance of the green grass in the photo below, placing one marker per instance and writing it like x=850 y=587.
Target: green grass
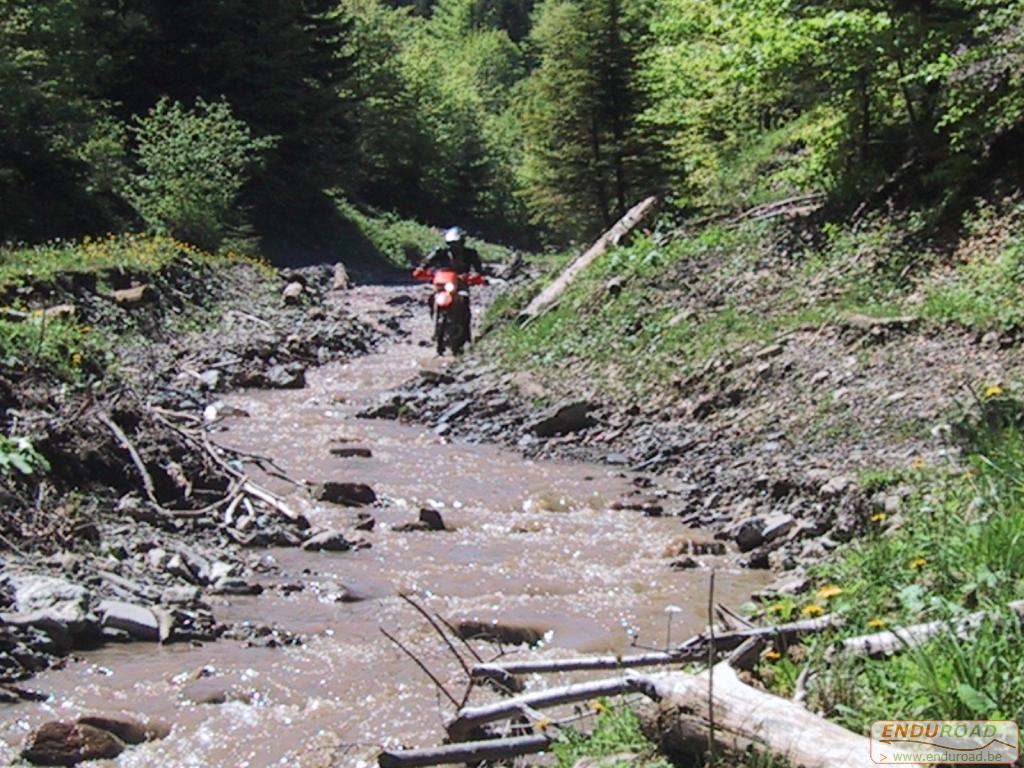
x=65 y=346
x=130 y=253
x=958 y=549
x=616 y=731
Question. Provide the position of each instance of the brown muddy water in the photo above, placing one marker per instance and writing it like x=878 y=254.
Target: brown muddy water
x=534 y=543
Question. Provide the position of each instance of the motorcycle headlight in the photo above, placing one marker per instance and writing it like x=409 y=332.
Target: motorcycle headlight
x=450 y=287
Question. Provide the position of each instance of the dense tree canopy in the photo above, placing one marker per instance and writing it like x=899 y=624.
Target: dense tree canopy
x=513 y=119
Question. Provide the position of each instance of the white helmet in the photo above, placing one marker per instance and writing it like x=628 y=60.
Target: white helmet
x=455 y=235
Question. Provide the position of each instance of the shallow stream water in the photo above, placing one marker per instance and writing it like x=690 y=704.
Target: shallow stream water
x=533 y=543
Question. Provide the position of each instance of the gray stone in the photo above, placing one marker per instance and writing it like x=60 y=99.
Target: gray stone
x=346 y=494
x=138 y=621
x=776 y=526
x=327 y=541
x=749 y=534
x=285 y=377
x=564 y=419
x=836 y=486
x=292 y=294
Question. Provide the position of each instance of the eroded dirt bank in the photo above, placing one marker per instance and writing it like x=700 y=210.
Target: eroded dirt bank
x=537 y=545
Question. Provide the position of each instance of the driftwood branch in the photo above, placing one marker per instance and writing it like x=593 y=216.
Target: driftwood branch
x=613 y=236
x=471 y=752
x=470 y=718
x=895 y=641
x=693 y=649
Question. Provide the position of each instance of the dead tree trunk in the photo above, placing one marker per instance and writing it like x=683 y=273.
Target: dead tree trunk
x=746 y=717
x=613 y=236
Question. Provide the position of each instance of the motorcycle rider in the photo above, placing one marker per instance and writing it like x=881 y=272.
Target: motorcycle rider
x=455 y=254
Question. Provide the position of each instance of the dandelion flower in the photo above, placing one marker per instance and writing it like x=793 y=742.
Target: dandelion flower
x=993 y=391
x=776 y=608
x=771 y=655
x=829 y=591
x=878 y=517
x=543 y=724
x=599 y=707
x=918 y=563
x=76 y=359
x=918 y=463
x=876 y=623
x=813 y=610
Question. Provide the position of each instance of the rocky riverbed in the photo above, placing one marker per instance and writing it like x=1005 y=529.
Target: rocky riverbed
x=277 y=531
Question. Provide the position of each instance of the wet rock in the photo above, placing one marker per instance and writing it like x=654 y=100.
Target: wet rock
x=345 y=494
x=138 y=621
x=137 y=294
x=58 y=608
x=749 y=534
x=235 y=586
x=564 y=420
x=127 y=729
x=430 y=520
x=683 y=564
x=776 y=526
x=285 y=377
x=792 y=584
x=327 y=541
x=292 y=294
x=180 y=595
x=364 y=522
x=431 y=376
x=453 y=412
x=58 y=743
x=499 y=632
x=348 y=452
x=836 y=486
x=339 y=278
x=689 y=545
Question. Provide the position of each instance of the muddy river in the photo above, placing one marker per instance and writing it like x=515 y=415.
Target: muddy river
x=533 y=543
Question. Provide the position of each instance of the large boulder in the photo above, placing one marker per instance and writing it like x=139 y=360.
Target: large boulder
x=59 y=743
x=565 y=419
x=499 y=632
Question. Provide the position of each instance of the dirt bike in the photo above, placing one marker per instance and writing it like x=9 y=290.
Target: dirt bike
x=449 y=306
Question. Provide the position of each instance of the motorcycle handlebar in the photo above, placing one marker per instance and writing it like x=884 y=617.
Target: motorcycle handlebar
x=421 y=273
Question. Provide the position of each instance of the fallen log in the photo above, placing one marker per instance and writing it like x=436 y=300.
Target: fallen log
x=694 y=648
x=542 y=301
x=471 y=752
x=896 y=641
x=471 y=718
x=745 y=718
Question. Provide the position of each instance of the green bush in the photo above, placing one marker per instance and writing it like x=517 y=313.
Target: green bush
x=193 y=164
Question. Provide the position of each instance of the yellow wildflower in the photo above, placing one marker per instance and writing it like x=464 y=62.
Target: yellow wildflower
x=543 y=724
x=829 y=591
x=776 y=608
x=86 y=330
x=878 y=517
x=918 y=563
x=599 y=707
x=918 y=463
x=993 y=391
x=76 y=359
x=771 y=655
x=876 y=623
x=813 y=610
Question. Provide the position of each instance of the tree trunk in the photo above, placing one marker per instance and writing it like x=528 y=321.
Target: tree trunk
x=613 y=236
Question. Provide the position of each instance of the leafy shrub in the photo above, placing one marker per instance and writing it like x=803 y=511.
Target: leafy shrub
x=193 y=164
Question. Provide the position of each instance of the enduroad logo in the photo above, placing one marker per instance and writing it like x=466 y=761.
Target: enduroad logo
x=982 y=742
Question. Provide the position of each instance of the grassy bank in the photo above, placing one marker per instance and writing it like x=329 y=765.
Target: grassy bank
x=954 y=547
x=656 y=311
